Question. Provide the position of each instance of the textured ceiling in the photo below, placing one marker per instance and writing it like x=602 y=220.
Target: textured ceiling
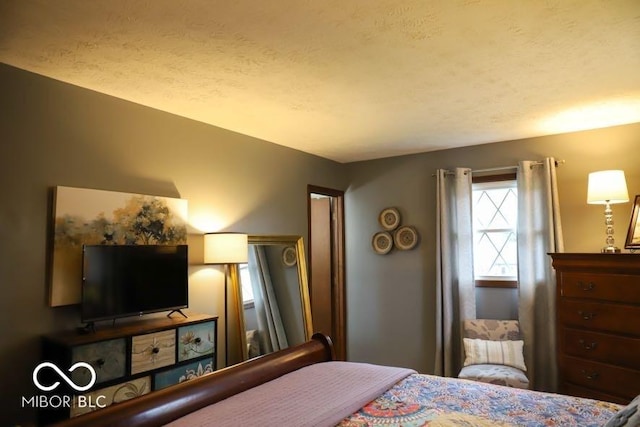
x=347 y=80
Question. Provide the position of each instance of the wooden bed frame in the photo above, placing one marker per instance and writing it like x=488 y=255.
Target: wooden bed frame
x=166 y=405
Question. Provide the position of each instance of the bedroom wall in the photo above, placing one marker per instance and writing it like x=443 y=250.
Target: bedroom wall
x=52 y=133
x=57 y=134
x=390 y=298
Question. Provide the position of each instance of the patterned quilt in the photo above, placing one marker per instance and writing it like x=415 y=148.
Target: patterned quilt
x=426 y=400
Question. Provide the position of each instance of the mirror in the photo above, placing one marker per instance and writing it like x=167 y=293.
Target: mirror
x=273 y=295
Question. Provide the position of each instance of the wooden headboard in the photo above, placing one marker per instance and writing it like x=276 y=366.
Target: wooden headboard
x=166 y=405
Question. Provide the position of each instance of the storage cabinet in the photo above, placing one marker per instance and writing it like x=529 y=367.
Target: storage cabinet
x=129 y=360
x=598 y=325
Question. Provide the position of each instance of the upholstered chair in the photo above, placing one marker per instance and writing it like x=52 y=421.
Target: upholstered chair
x=493 y=353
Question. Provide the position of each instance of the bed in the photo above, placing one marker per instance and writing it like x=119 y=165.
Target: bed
x=305 y=386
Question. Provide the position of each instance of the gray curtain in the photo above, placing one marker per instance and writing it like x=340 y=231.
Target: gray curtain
x=455 y=289
x=271 y=331
x=539 y=233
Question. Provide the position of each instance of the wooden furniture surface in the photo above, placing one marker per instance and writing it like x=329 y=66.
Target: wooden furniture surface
x=598 y=325
x=132 y=359
x=164 y=406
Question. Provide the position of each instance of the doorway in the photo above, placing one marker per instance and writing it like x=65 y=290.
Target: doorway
x=326 y=265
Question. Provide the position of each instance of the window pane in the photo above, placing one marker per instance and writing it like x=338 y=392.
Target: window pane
x=495 y=254
x=245 y=278
x=495 y=213
x=495 y=208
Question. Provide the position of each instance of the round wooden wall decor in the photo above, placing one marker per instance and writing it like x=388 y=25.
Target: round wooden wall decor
x=389 y=218
x=405 y=237
x=382 y=242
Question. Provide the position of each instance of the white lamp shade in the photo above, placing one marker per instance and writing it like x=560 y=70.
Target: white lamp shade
x=225 y=248
x=607 y=186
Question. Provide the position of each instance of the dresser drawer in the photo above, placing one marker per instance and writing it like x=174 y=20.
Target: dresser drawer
x=152 y=351
x=574 y=390
x=108 y=359
x=182 y=373
x=611 y=349
x=607 y=287
x=600 y=377
x=109 y=395
x=621 y=319
x=196 y=340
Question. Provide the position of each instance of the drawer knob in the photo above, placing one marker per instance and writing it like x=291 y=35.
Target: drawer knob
x=588 y=346
x=155 y=350
x=589 y=286
x=590 y=375
x=100 y=363
x=198 y=340
x=586 y=315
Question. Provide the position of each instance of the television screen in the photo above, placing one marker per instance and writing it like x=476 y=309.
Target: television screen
x=128 y=280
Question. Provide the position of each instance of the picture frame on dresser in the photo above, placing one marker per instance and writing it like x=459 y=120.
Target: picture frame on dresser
x=633 y=233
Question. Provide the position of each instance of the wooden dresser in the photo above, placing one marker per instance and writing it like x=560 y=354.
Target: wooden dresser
x=136 y=357
x=598 y=325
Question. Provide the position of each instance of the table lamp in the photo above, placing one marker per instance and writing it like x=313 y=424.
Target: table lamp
x=606 y=188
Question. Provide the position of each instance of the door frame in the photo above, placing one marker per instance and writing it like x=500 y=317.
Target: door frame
x=338 y=309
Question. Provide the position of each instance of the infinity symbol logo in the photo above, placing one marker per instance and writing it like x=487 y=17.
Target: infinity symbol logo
x=64 y=376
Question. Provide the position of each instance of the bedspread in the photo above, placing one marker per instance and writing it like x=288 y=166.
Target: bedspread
x=318 y=395
x=421 y=400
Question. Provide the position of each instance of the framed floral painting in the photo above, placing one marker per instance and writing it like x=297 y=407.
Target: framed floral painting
x=98 y=217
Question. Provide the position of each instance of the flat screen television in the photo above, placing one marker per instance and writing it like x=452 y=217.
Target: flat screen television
x=131 y=280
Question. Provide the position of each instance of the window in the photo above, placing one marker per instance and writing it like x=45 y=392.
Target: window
x=247 y=289
x=495 y=218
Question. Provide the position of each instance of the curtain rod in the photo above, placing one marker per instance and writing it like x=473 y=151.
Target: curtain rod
x=505 y=168
x=502 y=168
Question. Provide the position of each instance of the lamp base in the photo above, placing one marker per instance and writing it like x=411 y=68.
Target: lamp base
x=610 y=250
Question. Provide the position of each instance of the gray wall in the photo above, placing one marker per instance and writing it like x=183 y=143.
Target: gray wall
x=390 y=298
x=57 y=134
